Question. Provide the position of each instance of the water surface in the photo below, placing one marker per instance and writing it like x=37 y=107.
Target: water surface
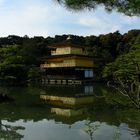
x=28 y=118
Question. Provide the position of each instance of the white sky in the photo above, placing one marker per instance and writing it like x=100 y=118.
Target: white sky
x=46 y=18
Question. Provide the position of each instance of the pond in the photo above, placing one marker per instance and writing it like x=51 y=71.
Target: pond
x=30 y=118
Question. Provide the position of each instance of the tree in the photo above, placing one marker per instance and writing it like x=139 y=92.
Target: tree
x=34 y=73
x=11 y=63
x=126 y=65
x=33 y=49
x=125 y=72
x=127 y=41
x=128 y=7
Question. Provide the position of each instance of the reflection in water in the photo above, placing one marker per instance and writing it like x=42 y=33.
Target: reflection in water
x=72 y=105
x=27 y=118
x=90 y=128
x=73 y=102
x=116 y=134
x=9 y=132
x=88 y=89
x=68 y=112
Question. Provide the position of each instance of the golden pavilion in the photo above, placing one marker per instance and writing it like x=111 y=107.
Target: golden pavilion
x=69 y=63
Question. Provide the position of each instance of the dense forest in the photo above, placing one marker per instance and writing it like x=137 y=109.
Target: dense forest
x=114 y=54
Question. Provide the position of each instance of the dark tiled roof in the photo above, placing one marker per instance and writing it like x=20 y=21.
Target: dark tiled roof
x=68 y=56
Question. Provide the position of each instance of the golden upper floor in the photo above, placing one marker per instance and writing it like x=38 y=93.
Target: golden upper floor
x=69 y=62
x=69 y=50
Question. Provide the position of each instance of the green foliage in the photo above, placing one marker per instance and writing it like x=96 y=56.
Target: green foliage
x=11 y=63
x=127 y=65
x=114 y=98
x=128 y=7
x=34 y=73
x=32 y=50
x=125 y=73
x=16 y=60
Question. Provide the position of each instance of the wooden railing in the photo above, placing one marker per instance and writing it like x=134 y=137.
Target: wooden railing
x=59 y=52
x=66 y=52
x=58 y=65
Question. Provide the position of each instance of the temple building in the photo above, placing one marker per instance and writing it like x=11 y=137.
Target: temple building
x=68 y=63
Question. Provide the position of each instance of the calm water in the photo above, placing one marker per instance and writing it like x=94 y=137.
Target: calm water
x=28 y=118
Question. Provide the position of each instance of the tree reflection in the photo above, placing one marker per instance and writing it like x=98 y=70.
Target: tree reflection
x=9 y=132
x=134 y=132
x=90 y=128
x=116 y=134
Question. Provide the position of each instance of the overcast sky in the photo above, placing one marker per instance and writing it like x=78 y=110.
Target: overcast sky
x=46 y=18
